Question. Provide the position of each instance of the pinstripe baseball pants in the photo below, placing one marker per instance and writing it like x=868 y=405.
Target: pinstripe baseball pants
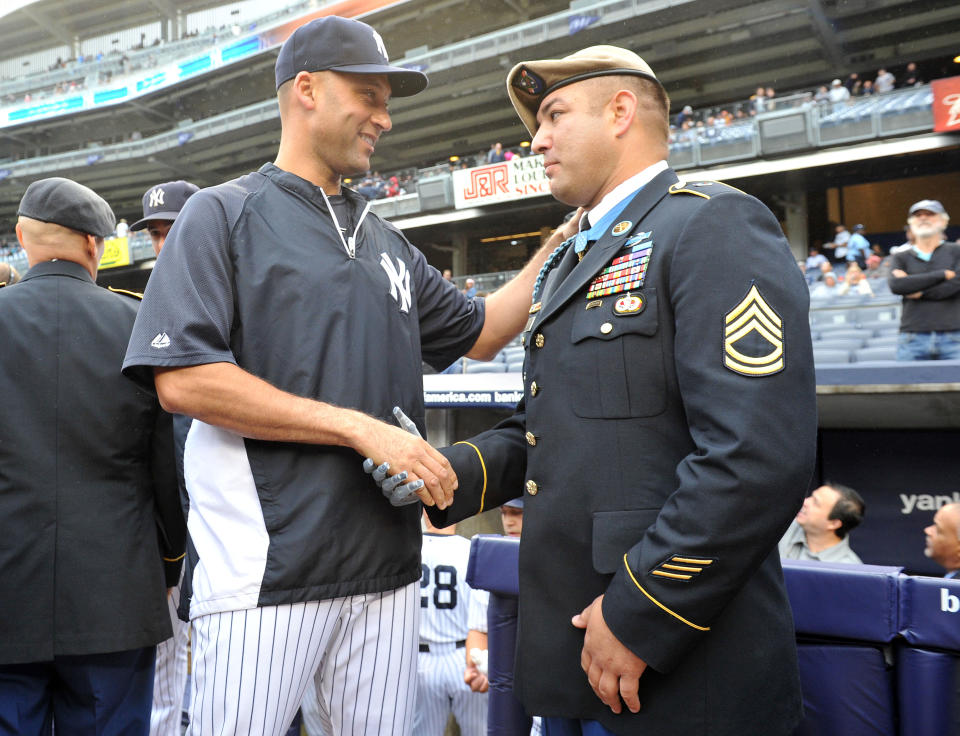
x=441 y=690
x=170 y=677
x=252 y=667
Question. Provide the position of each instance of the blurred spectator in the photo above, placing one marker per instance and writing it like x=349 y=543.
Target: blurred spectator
x=392 y=188
x=852 y=83
x=814 y=260
x=447 y=274
x=758 y=101
x=470 y=288
x=495 y=154
x=838 y=93
x=8 y=275
x=368 y=190
x=943 y=539
x=868 y=89
x=858 y=247
x=827 y=289
x=855 y=283
x=822 y=94
x=911 y=77
x=839 y=245
x=819 y=531
x=685 y=114
x=926 y=277
x=511 y=516
x=884 y=81
x=122 y=228
x=825 y=268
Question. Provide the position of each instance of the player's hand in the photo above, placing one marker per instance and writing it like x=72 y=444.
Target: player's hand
x=570 y=228
x=613 y=671
x=477 y=681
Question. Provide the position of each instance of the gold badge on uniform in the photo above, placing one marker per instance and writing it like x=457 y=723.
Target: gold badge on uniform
x=629 y=304
x=682 y=567
x=621 y=227
x=753 y=337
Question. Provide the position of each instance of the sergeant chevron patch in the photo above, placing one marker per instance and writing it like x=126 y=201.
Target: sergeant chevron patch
x=753 y=337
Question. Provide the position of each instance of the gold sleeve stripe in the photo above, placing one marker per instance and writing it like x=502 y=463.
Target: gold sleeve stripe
x=673 y=575
x=691 y=560
x=483 y=466
x=682 y=568
x=658 y=603
x=175 y=559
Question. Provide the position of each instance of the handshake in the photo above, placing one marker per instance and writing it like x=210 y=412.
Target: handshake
x=393 y=486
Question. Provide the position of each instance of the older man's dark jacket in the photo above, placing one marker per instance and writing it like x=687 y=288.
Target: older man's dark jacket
x=91 y=530
x=665 y=440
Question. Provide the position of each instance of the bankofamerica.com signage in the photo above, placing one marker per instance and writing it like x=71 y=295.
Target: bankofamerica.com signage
x=519 y=178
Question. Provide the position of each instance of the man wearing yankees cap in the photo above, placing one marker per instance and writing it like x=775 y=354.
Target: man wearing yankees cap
x=667 y=432
x=266 y=319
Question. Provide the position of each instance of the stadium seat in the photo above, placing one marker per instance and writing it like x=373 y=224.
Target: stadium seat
x=826 y=356
x=493 y=367
x=883 y=341
x=515 y=366
x=828 y=318
x=839 y=343
x=837 y=332
x=512 y=352
x=878 y=326
x=879 y=352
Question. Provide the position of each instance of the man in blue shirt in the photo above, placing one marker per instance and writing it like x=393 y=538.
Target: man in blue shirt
x=858 y=247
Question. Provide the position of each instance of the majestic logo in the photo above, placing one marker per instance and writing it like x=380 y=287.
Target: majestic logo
x=161 y=341
x=380 y=45
x=156 y=198
x=753 y=337
x=488 y=181
x=399 y=278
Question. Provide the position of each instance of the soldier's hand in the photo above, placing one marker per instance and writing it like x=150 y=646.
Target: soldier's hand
x=404 y=450
x=613 y=671
x=390 y=485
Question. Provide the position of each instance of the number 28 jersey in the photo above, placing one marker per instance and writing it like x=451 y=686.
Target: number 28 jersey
x=448 y=606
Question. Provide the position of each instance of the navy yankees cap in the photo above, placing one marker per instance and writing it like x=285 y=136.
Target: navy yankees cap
x=65 y=202
x=164 y=202
x=339 y=44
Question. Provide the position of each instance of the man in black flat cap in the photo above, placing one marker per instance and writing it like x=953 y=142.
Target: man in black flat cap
x=667 y=432
x=89 y=514
x=266 y=320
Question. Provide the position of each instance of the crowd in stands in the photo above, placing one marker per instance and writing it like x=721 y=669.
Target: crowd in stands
x=766 y=99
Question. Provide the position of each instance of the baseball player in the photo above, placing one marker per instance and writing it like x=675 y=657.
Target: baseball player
x=449 y=610
x=265 y=320
x=161 y=205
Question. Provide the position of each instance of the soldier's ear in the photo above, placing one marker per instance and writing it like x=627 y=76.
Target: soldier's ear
x=623 y=107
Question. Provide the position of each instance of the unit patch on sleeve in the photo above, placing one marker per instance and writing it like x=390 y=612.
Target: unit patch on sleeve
x=753 y=337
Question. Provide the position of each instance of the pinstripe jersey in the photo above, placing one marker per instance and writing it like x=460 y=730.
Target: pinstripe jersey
x=448 y=606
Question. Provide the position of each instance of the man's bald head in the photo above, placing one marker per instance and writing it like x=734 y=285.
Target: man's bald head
x=45 y=241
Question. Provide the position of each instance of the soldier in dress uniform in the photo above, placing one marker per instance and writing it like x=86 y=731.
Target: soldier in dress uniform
x=93 y=534
x=666 y=436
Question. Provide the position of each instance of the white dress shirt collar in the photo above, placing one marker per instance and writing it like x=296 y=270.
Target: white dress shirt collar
x=621 y=191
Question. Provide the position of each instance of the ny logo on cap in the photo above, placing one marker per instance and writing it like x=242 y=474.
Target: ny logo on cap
x=380 y=45
x=156 y=197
